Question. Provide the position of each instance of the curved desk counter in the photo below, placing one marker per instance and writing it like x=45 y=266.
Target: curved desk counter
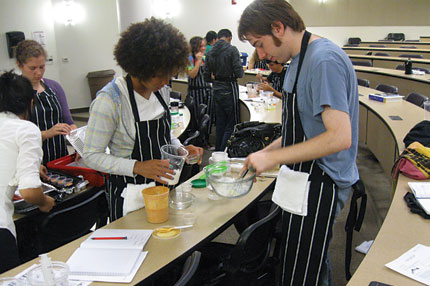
x=425 y=39
x=396 y=44
x=406 y=83
x=394 y=52
x=391 y=62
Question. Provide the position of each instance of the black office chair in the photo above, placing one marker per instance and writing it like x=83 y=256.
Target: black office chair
x=408 y=47
x=387 y=88
x=62 y=226
x=248 y=262
x=382 y=54
x=400 y=67
x=377 y=46
x=201 y=110
x=362 y=63
x=175 y=94
x=414 y=56
x=190 y=267
x=354 y=41
x=416 y=98
x=396 y=36
x=363 y=82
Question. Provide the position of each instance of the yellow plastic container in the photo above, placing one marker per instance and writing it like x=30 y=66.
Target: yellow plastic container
x=156 y=204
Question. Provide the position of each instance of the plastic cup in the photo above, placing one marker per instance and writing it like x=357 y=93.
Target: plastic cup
x=60 y=272
x=176 y=156
x=156 y=204
x=427 y=110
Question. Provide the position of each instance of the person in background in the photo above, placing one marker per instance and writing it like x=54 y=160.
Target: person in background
x=21 y=153
x=211 y=38
x=224 y=64
x=256 y=63
x=275 y=80
x=51 y=111
x=319 y=134
x=198 y=88
x=130 y=115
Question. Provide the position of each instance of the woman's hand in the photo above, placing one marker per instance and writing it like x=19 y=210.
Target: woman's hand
x=154 y=169
x=57 y=129
x=199 y=56
x=43 y=172
x=193 y=150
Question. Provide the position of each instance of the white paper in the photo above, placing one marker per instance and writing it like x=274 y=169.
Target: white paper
x=415 y=264
x=421 y=190
x=136 y=238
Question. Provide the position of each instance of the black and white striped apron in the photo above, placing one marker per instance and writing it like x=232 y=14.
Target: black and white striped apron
x=201 y=91
x=150 y=136
x=305 y=239
x=278 y=80
x=47 y=112
x=235 y=90
x=261 y=65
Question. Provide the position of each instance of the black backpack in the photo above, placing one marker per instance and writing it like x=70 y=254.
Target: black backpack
x=249 y=137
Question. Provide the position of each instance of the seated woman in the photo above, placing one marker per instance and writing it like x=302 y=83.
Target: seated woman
x=275 y=80
x=257 y=63
x=21 y=153
x=130 y=115
x=51 y=111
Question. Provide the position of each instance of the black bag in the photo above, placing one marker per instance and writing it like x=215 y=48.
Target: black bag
x=249 y=137
x=420 y=133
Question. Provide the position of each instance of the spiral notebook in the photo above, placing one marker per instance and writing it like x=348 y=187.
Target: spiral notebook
x=109 y=260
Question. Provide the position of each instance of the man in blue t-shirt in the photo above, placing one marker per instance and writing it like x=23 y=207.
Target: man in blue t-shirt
x=319 y=133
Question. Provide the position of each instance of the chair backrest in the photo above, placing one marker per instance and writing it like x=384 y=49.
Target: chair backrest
x=254 y=244
x=362 y=63
x=175 y=94
x=189 y=103
x=354 y=41
x=377 y=46
x=416 y=98
x=411 y=56
x=201 y=110
x=363 y=82
x=387 y=88
x=190 y=267
x=62 y=226
x=400 y=67
x=396 y=36
x=408 y=47
x=382 y=54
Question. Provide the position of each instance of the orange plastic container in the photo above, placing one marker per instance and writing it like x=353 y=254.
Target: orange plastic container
x=95 y=178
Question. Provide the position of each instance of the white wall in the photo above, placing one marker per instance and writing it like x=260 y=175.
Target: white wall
x=88 y=46
x=27 y=16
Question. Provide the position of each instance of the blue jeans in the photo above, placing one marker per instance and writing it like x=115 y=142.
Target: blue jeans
x=224 y=114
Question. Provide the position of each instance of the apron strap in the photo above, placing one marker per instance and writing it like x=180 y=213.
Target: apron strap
x=354 y=221
x=303 y=48
x=133 y=100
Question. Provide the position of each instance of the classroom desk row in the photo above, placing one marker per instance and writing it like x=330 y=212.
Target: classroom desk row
x=406 y=83
x=395 y=44
x=394 y=52
x=391 y=62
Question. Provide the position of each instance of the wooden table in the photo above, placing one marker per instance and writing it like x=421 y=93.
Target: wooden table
x=391 y=62
x=394 y=52
x=396 y=44
x=406 y=83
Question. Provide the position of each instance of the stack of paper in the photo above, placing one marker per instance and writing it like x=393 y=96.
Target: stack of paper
x=109 y=255
x=414 y=264
x=421 y=191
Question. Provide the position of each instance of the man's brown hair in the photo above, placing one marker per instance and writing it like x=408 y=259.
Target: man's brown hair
x=258 y=17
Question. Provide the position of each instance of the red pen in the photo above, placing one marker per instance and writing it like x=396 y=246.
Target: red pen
x=109 y=238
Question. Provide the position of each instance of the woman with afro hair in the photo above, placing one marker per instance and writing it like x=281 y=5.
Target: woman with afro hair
x=130 y=115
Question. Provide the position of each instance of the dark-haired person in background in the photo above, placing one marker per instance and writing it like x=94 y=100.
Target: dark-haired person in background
x=211 y=38
x=51 y=111
x=130 y=115
x=319 y=133
x=275 y=80
x=224 y=64
x=198 y=88
x=21 y=153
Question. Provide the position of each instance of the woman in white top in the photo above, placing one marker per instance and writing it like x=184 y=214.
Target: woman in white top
x=21 y=153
